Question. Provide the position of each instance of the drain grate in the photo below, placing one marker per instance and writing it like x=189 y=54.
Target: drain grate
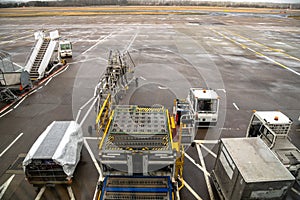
x=17 y=167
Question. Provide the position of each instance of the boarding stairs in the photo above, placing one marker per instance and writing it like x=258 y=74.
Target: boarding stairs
x=40 y=56
x=34 y=74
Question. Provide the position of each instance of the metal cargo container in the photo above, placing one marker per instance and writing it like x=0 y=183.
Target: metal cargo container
x=247 y=169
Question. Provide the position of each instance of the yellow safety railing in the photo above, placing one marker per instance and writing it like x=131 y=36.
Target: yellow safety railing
x=106 y=129
x=106 y=104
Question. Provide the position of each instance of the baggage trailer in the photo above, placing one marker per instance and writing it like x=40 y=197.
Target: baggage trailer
x=246 y=168
x=54 y=156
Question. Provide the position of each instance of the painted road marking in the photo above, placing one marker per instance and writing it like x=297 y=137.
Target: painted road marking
x=7 y=148
x=5 y=185
x=222 y=90
x=142 y=78
x=265 y=46
x=131 y=41
x=209 y=188
x=196 y=164
x=208 y=150
x=40 y=194
x=207 y=141
x=20 y=102
x=6 y=113
x=48 y=81
x=257 y=53
x=80 y=109
x=162 y=88
x=99 y=41
x=93 y=157
x=191 y=190
x=236 y=107
x=88 y=112
x=70 y=192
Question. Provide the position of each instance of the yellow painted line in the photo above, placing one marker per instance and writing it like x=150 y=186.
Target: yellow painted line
x=257 y=53
x=270 y=48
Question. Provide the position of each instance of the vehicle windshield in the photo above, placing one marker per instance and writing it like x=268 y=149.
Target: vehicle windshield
x=65 y=46
x=207 y=105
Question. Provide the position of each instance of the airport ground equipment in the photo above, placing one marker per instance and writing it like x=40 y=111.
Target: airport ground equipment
x=54 y=156
x=117 y=78
x=201 y=103
x=65 y=48
x=13 y=79
x=41 y=61
x=273 y=128
x=140 y=157
x=242 y=171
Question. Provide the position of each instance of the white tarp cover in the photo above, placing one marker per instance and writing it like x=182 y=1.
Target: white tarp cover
x=62 y=142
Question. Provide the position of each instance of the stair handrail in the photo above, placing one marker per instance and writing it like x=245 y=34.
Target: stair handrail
x=29 y=60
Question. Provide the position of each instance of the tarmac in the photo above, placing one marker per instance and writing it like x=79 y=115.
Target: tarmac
x=251 y=59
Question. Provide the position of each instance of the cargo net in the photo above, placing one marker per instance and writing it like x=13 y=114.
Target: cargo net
x=138 y=128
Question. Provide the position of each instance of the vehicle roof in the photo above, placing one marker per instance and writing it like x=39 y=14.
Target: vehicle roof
x=255 y=161
x=204 y=93
x=269 y=117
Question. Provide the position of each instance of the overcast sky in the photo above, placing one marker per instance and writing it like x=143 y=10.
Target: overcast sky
x=265 y=1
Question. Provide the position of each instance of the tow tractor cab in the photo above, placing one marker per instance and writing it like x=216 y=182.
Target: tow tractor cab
x=65 y=49
x=201 y=103
x=273 y=128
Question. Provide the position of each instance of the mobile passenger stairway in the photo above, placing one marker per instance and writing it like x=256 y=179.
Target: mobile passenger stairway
x=40 y=56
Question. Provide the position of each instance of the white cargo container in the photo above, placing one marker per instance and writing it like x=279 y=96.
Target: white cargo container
x=54 y=156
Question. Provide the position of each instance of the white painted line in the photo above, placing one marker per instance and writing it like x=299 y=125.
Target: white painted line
x=99 y=41
x=48 y=81
x=142 y=78
x=296 y=191
x=162 y=88
x=3 y=152
x=20 y=102
x=6 y=113
x=191 y=190
x=32 y=92
x=208 y=150
x=88 y=112
x=131 y=42
x=62 y=71
x=39 y=88
x=92 y=138
x=222 y=90
x=196 y=164
x=40 y=194
x=79 y=112
x=236 y=107
x=209 y=188
x=5 y=185
x=18 y=65
x=70 y=192
x=93 y=157
x=206 y=141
